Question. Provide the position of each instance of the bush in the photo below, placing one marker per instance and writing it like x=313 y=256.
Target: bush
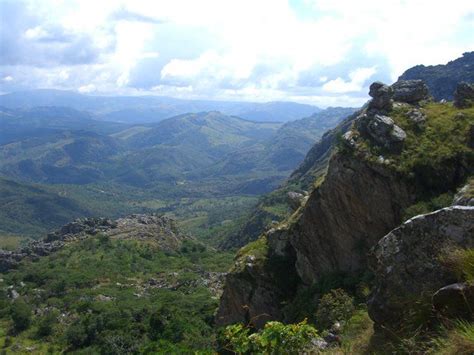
x=335 y=306
x=20 y=313
x=45 y=325
x=275 y=338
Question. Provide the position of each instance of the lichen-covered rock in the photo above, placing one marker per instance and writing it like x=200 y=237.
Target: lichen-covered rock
x=410 y=91
x=382 y=130
x=464 y=95
x=381 y=97
x=408 y=264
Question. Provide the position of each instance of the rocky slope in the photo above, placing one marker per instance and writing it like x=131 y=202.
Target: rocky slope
x=387 y=162
x=158 y=230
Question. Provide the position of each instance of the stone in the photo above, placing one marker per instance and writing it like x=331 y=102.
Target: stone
x=465 y=196
x=381 y=97
x=418 y=118
x=464 y=95
x=410 y=91
x=295 y=199
x=455 y=301
x=408 y=266
x=383 y=131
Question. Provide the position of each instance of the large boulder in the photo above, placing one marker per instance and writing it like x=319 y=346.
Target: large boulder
x=382 y=130
x=381 y=97
x=464 y=95
x=410 y=91
x=409 y=267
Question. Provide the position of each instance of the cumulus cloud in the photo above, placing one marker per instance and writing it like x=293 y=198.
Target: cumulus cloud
x=318 y=51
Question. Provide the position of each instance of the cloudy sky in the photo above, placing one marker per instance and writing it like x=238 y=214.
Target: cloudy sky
x=323 y=52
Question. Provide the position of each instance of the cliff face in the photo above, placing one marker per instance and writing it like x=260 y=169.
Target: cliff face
x=358 y=202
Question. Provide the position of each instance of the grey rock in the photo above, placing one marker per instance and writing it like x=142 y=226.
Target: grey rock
x=382 y=130
x=418 y=118
x=455 y=301
x=410 y=91
x=408 y=264
x=381 y=97
x=295 y=199
x=465 y=196
x=464 y=95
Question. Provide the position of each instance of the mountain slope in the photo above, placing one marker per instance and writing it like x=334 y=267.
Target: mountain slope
x=443 y=79
x=375 y=179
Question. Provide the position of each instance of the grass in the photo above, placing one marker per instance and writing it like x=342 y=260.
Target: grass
x=458 y=340
x=11 y=242
x=461 y=262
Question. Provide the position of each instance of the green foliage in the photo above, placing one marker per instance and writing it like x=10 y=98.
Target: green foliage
x=275 y=338
x=461 y=262
x=459 y=339
x=106 y=293
x=430 y=205
x=20 y=313
x=335 y=306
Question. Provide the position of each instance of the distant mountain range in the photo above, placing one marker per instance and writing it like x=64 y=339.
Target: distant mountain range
x=146 y=109
x=198 y=155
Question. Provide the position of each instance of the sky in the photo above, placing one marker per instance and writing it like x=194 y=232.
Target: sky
x=321 y=52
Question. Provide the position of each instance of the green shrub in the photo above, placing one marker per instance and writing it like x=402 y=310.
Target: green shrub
x=20 y=313
x=335 y=306
x=275 y=338
x=45 y=325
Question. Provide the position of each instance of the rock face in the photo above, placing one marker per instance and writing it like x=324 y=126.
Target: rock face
x=410 y=91
x=159 y=229
x=464 y=95
x=409 y=268
x=356 y=204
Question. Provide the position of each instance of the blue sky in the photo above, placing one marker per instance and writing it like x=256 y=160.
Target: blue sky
x=321 y=52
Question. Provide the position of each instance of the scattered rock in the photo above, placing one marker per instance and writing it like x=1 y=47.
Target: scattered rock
x=410 y=91
x=455 y=301
x=418 y=118
x=465 y=196
x=295 y=199
x=381 y=97
x=408 y=267
x=464 y=95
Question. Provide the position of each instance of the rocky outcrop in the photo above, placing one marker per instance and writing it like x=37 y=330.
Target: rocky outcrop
x=358 y=202
x=455 y=301
x=464 y=95
x=160 y=230
x=409 y=267
x=410 y=91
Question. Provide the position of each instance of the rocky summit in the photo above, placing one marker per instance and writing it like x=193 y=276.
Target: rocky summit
x=156 y=229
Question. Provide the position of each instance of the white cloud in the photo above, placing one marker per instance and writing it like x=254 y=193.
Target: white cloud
x=87 y=89
x=358 y=79
x=246 y=49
